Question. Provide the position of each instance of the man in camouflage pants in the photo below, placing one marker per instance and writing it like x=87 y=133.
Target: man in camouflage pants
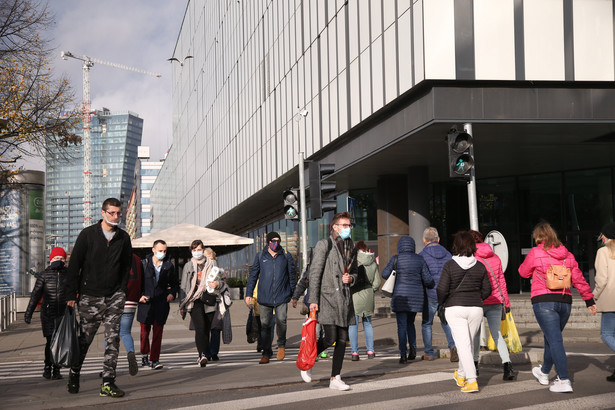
x=98 y=272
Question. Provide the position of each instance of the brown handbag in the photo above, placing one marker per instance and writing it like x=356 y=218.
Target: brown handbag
x=558 y=277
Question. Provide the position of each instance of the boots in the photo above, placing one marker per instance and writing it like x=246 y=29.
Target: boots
x=611 y=378
x=56 y=373
x=47 y=372
x=476 y=365
x=509 y=372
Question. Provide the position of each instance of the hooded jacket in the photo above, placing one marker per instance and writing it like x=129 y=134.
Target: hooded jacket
x=413 y=277
x=464 y=282
x=276 y=277
x=363 y=300
x=537 y=263
x=485 y=255
x=435 y=256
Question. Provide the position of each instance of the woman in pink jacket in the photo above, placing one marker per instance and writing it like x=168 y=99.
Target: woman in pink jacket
x=552 y=307
x=492 y=306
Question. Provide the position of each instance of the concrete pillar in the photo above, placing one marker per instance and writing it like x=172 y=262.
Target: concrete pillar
x=392 y=203
x=418 y=204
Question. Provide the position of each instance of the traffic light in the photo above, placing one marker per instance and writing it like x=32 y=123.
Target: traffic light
x=460 y=154
x=319 y=189
x=291 y=204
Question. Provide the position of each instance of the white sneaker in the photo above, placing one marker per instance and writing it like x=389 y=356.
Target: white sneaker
x=306 y=375
x=542 y=378
x=561 y=386
x=337 y=384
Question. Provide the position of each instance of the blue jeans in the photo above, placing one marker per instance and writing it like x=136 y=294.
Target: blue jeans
x=405 y=330
x=607 y=329
x=493 y=313
x=125 y=327
x=353 y=333
x=266 y=313
x=552 y=318
x=214 y=343
x=426 y=327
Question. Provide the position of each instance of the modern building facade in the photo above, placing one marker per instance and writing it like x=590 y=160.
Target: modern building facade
x=382 y=82
x=115 y=137
x=146 y=173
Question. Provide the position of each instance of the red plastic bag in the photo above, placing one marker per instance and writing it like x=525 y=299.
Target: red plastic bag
x=308 y=348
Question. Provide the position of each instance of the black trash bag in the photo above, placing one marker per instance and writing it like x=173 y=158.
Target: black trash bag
x=65 y=341
x=252 y=327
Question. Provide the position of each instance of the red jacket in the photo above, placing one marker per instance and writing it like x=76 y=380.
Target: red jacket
x=484 y=254
x=537 y=263
x=135 y=285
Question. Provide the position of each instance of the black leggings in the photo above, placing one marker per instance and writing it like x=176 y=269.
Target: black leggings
x=202 y=326
x=48 y=361
x=337 y=335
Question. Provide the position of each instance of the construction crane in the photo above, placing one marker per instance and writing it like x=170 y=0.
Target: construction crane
x=88 y=62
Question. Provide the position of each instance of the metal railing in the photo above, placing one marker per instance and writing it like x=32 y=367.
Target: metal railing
x=8 y=310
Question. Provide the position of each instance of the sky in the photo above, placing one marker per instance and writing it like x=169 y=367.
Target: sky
x=135 y=33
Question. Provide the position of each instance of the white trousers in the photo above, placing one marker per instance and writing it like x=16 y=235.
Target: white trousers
x=465 y=322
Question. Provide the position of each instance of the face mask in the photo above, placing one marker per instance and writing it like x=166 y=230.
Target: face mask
x=112 y=223
x=197 y=254
x=273 y=245
x=56 y=265
x=160 y=255
x=345 y=233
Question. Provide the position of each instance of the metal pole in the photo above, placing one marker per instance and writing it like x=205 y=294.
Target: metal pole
x=472 y=202
x=302 y=211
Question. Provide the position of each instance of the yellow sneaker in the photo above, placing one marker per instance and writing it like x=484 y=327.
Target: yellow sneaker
x=470 y=387
x=461 y=381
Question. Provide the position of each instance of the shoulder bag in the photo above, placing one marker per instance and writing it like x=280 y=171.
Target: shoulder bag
x=389 y=285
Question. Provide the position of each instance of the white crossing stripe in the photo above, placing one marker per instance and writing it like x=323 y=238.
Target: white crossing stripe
x=597 y=401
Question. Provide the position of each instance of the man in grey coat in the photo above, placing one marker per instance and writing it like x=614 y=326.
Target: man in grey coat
x=332 y=272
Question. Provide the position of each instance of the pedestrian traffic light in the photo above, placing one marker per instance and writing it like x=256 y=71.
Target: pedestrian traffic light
x=319 y=189
x=460 y=154
x=291 y=204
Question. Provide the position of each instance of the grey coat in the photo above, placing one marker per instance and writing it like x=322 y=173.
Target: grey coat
x=327 y=290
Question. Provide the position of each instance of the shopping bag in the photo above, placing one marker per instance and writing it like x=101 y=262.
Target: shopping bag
x=65 y=341
x=251 y=327
x=308 y=348
x=510 y=335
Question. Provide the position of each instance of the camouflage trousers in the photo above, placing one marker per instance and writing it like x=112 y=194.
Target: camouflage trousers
x=94 y=311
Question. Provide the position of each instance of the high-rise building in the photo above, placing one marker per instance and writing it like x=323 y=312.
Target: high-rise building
x=374 y=88
x=139 y=217
x=115 y=137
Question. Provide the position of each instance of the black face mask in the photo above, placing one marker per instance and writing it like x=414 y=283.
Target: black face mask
x=56 y=265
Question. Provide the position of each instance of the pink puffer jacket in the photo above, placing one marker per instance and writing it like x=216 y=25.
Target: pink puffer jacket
x=537 y=263
x=484 y=254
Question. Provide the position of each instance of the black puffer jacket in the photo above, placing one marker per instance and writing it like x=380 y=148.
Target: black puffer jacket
x=49 y=285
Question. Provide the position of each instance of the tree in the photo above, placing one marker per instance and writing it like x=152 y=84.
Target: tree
x=37 y=111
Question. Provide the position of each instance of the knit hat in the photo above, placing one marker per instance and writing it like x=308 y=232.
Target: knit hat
x=272 y=235
x=608 y=230
x=57 y=251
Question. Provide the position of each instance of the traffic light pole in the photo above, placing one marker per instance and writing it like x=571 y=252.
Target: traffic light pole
x=472 y=203
x=302 y=211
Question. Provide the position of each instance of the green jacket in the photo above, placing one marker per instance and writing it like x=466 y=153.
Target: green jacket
x=363 y=300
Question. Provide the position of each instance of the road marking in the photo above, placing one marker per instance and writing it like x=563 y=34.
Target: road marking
x=598 y=401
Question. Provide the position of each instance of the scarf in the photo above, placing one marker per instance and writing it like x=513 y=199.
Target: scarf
x=195 y=293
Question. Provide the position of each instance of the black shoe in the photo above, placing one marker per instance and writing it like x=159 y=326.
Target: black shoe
x=47 y=372
x=412 y=354
x=156 y=365
x=403 y=359
x=73 y=383
x=454 y=355
x=611 y=378
x=111 y=390
x=144 y=361
x=215 y=358
x=56 y=373
x=509 y=372
x=133 y=367
x=476 y=365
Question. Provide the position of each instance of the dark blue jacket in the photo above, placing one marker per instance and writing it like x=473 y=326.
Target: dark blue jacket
x=435 y=256
x=157 y=308
x=412 y=278
x=276 y=277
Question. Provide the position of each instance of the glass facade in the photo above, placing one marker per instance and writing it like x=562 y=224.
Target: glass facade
x=115 y=137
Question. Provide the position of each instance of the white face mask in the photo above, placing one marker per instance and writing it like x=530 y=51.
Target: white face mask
x=197 y=254
x=160 y=255
x=111 y=223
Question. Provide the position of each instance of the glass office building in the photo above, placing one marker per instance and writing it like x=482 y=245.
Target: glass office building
x=115 y=137
x=374 y=87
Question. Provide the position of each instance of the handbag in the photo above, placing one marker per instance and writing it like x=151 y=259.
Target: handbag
x=209 y=299
x=558 y=276
x=308 y=348
x=65 y=341
x=389 y=284
x=252 y=327
x=500 y=289
x=441 y=309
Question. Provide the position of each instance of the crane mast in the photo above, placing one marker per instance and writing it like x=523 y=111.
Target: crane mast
x=88 y=63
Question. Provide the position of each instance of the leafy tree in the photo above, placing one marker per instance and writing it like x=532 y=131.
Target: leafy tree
x=37 y=111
